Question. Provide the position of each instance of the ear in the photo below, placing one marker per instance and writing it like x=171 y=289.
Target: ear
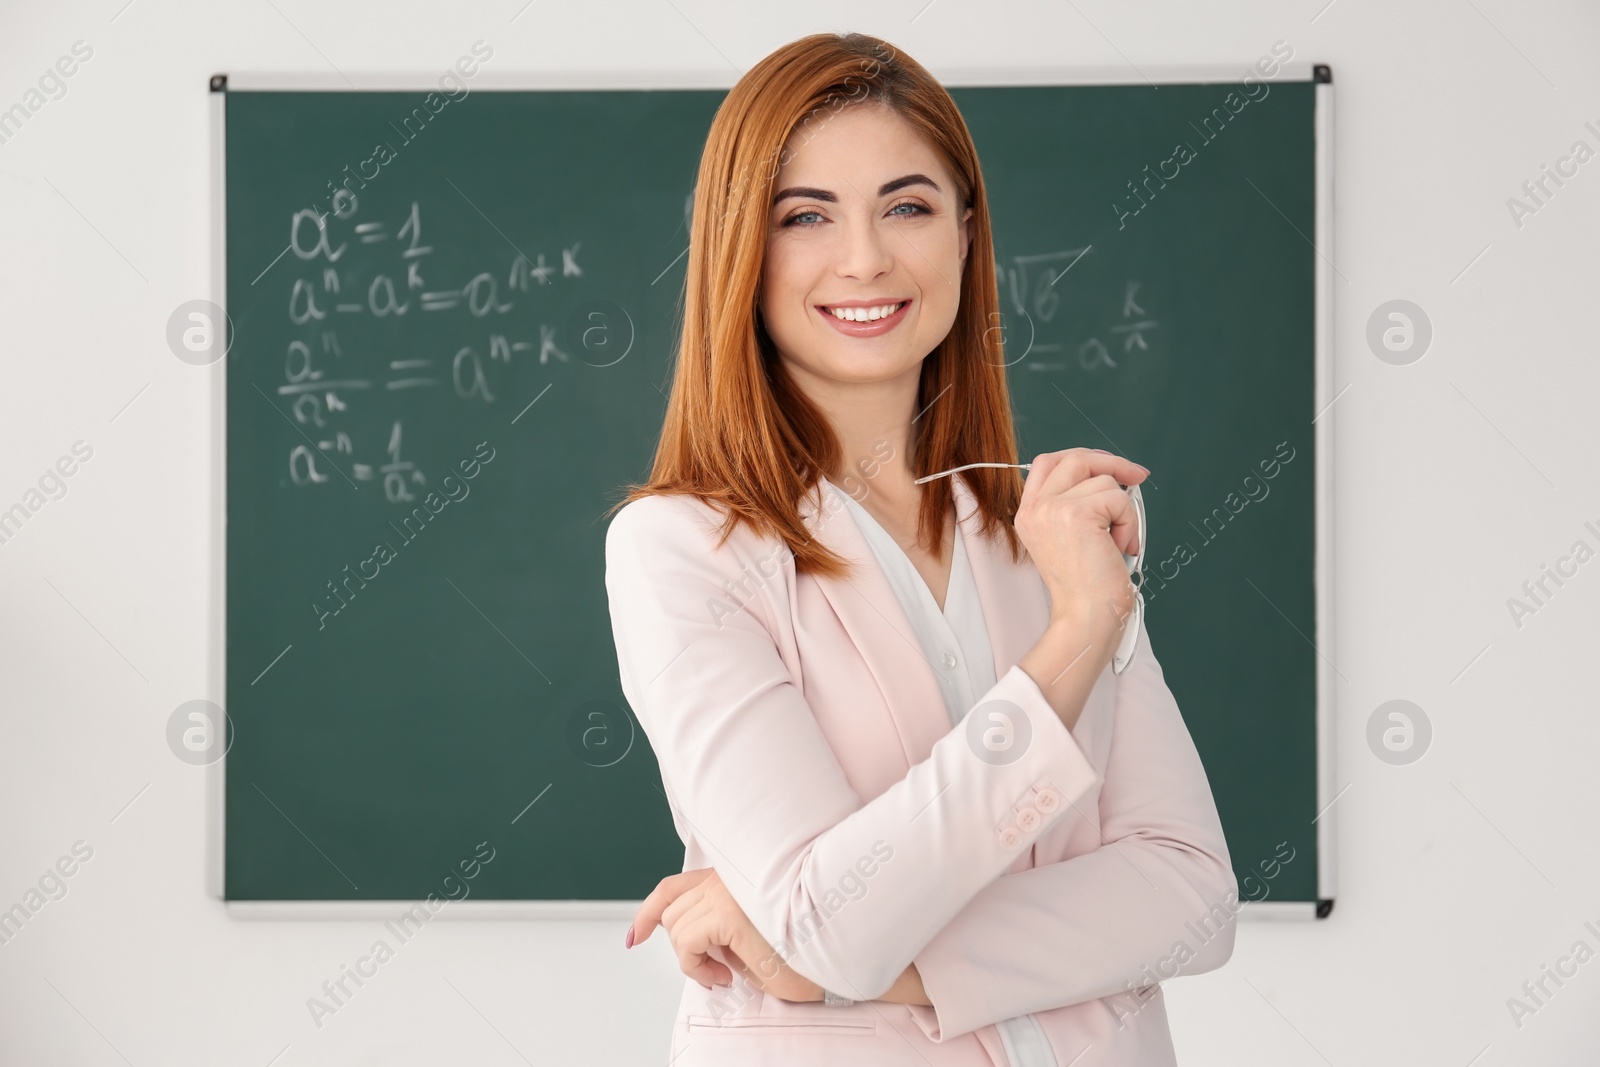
x=965 y=235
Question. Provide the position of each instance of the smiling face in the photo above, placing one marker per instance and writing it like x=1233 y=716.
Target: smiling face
x=867 y=223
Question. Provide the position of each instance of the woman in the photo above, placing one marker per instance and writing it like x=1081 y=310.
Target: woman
x=923 y=821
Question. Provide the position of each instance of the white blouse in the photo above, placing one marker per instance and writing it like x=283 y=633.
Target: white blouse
x=956 y=643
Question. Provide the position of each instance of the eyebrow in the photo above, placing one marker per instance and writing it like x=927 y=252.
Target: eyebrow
x=885 y=189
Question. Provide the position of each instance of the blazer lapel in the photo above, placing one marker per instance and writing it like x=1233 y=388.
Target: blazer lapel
x=1016 y=605
x=1015 y=611
x=872 y=617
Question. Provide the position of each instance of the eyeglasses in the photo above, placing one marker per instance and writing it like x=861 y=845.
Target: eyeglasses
x=1135 y=621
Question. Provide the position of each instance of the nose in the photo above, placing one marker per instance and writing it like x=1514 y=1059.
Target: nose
x=865 y=253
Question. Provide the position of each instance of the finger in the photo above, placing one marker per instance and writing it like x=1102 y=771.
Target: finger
x=1092 y=486
x=1141 y=472
x=674 y=912
x=1038 y=470
x=1044 y=472
x=661 y=897
x=640 y=922
x=1116 y=508
x=722 y=974
x=1125 y=534
x=1120 y=513
x=689 y=944
x=1079 y=464
x=1056 y=472
x=692 y=938
x=740 y=968
x=671 y=887
x=703 y=919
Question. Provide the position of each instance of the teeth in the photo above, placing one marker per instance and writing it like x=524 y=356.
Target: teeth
x=865 y=314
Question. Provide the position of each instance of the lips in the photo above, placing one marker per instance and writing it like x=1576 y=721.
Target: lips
x=852 y=328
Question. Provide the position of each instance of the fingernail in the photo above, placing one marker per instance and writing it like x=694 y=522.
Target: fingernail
x=1102 y=451
x=1142 y=467
x=629 y=942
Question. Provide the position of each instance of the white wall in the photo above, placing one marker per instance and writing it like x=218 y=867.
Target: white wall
x=1459 y=476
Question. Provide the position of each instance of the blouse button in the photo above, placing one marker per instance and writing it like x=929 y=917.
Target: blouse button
x=1047 y=801
x=1028 y=820
x=949 y=661
x=1010 y=837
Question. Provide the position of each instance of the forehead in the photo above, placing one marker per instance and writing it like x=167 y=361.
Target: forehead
x=862 y=143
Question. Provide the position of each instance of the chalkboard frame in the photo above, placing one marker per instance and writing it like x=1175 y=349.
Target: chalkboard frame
x=501 y=81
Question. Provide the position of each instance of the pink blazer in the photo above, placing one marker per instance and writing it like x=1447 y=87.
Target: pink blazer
x=807 y=755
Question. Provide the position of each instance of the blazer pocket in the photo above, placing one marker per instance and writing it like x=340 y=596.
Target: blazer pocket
x=707 y=1024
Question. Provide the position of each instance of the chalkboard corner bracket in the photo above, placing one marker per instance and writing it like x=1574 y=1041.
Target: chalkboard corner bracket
x=219 y=83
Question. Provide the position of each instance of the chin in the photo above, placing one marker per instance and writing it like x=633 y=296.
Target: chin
x=867 y=368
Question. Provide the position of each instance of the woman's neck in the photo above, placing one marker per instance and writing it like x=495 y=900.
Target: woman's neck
x=873 y=423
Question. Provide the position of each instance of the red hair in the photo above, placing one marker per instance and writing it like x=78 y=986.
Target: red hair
x=738 y=432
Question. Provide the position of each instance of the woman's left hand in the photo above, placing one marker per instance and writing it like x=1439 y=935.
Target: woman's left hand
x=699 y=912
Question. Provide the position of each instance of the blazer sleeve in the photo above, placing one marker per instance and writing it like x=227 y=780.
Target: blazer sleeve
x=846 y=892
x=1156 y=900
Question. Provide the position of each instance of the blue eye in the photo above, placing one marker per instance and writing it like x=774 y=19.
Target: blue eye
x=916 y=209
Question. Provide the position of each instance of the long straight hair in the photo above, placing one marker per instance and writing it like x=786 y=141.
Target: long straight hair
x=738 y=433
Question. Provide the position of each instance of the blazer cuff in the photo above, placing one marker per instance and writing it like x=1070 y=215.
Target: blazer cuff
x=947 y=987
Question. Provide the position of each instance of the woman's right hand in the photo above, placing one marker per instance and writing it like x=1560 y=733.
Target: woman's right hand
x=1076 y=522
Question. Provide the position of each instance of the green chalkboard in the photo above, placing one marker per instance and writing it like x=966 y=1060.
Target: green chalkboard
x=418 y=656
